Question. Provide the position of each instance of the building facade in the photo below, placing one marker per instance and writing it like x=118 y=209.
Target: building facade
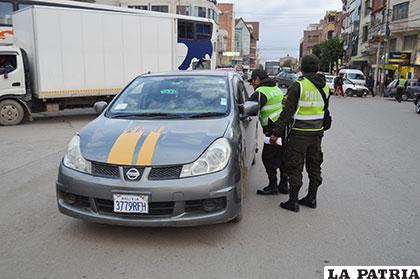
x=242 y=42
x=404 y=27
x=350 y=29
x=312 y=36
x=254 y=27
x=327 y=28
x=227 y=24
x=199 y=8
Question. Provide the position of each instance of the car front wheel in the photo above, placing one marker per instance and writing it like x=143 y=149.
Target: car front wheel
x=349 y=92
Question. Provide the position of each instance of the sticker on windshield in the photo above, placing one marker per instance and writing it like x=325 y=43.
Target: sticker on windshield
x=223 y=102
x=121 y=106
x=168 y=91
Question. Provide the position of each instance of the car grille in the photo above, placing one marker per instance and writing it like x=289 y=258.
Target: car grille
x=162 y=173
x=155 y=208
x=105 y=170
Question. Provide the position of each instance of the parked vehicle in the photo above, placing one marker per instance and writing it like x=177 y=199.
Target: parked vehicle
x=286 y=78
x=272 y=68
x=73 y=57
x=417 y=101
x=355 y=76
x=391 y=89
x=413 y=87
x=349 y=88
x=408 y=93
x=170 y=150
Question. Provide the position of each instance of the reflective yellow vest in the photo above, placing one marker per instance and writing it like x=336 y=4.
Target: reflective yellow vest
x=309 y=116
x=273 y=107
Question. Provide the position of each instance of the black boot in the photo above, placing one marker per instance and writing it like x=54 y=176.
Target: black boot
x=284 y=185
x=293 y=203
x=310 y=199
x=271 y=189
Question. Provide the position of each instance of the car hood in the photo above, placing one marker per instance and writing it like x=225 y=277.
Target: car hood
x=149 y=142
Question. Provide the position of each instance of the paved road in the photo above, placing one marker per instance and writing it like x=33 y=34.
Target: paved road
x=369 y=210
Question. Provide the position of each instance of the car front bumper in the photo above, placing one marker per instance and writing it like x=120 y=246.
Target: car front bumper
x=177 y=202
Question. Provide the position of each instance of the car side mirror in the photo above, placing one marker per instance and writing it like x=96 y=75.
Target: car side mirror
x=250 y=108
x=99 y=107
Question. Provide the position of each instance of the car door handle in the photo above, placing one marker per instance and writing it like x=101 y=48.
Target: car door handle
x=16 y=84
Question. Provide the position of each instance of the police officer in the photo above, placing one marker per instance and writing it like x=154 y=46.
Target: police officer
x=270 y=98
x=304 y=113
x=401 y=85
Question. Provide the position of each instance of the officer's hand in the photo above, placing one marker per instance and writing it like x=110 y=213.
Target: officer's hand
x=273 y=139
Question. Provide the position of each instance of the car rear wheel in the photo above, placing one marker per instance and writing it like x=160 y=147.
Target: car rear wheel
x=360 y=94
x=11 y=113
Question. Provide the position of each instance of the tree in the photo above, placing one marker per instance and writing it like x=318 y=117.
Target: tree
x=329 y=53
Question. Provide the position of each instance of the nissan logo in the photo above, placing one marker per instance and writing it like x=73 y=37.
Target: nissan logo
x=132 y=174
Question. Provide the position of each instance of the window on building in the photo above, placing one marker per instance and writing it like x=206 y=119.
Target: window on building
x=159 y=8
x=400 y=11
x=6 y=10
x=410 y=42
x=368 y=7
x=393 y=45
x=331 y=19
x=330 y=34
x=185 y=30
x=203 y=31
x=183 y=10
x=365 y=33
x=200 y=11
x=139 y=7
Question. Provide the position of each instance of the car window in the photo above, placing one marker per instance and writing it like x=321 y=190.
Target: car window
x=355 y=76
x=242 y=94
x=173 y=95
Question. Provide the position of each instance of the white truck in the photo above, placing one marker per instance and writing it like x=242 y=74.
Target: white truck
x=73 y=57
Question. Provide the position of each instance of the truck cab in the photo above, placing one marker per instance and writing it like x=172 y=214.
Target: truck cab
x=13 y=85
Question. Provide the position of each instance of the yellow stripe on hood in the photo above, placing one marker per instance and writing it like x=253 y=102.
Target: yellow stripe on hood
x=145 y=156
x=122 y=151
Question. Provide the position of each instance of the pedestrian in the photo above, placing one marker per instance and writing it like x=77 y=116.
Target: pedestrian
x=338 y=84
x=304 y=112
x=401 y=85
x=270 y=98
x=370 y=83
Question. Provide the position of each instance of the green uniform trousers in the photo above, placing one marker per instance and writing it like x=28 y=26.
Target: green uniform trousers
x=303 y=150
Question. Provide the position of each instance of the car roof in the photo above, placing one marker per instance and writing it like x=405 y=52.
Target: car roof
x=190 y=73
x=350 y=71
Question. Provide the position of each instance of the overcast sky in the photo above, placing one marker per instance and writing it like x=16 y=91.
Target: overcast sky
x=282 y=21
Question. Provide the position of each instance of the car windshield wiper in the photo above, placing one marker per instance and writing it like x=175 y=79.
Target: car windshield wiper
x=147 y=115
x=207 y=114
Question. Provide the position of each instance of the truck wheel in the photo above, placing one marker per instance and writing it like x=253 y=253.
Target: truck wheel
x=418 y=107
x=11 y=113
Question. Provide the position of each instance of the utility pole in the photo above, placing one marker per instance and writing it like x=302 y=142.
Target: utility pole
x=378 y=53
x=386 y=50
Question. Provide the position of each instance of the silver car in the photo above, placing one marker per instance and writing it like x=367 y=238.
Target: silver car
x=171 y=149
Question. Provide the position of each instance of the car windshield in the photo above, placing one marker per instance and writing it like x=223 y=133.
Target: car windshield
x=173 y=96
x=355 y=76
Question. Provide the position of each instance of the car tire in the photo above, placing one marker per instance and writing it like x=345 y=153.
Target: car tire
x=237 y=219
x=404 y=97
x=360 y=94
x=418 y=107
x=349 y=92
x=11 y=113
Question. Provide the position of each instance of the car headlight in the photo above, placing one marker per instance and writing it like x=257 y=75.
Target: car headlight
x=215 y=159
x=74 y=159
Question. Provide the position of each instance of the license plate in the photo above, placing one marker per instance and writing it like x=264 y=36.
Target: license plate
x=131 y=203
